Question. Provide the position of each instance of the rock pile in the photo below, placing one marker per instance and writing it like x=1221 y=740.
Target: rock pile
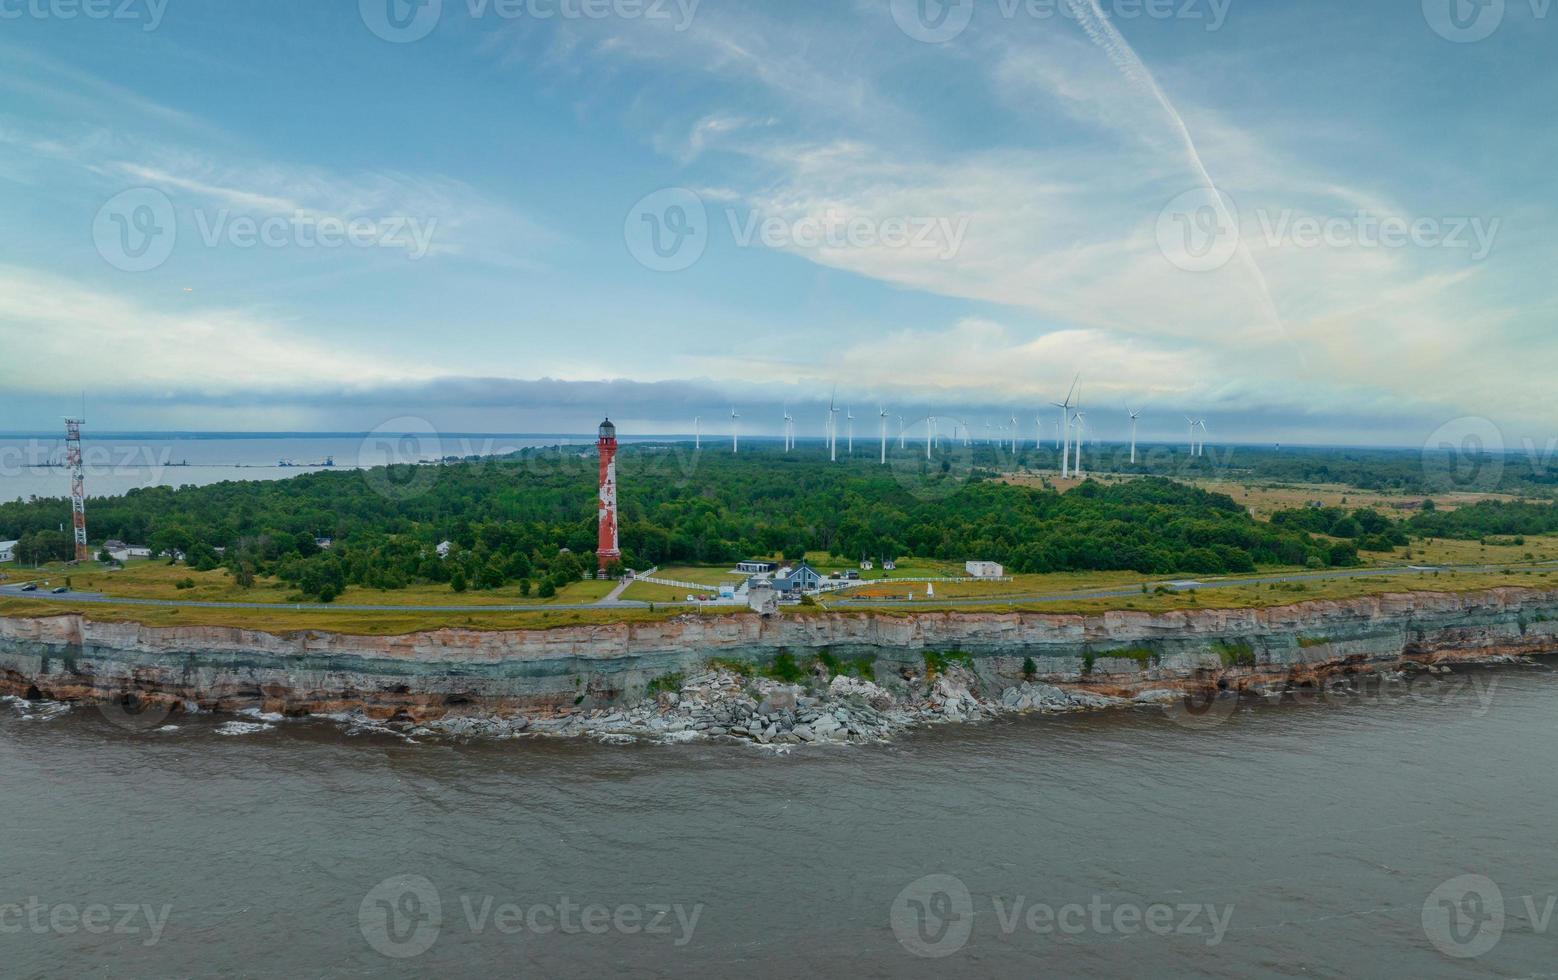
x=844 y=709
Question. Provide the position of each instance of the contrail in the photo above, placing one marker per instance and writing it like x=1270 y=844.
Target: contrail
x=1091 y=17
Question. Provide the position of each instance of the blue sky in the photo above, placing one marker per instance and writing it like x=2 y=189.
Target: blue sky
x=956 y=224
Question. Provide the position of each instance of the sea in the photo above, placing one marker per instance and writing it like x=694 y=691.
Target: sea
x=1351 y=835
x=33 y=465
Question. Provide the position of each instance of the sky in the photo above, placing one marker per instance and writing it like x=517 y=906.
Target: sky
x=1328 y=222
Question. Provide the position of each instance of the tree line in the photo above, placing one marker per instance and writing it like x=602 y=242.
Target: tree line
x=529 y=520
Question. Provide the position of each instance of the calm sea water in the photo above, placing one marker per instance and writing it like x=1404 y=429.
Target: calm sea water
x=32 y=465
x=1315 y=835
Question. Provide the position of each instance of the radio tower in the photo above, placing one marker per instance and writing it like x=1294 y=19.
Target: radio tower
x=78 y=486
x=606 y=550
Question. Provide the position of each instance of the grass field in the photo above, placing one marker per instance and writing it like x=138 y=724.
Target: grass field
x=651 y=592
x=710 y=575
x=159 y=580
x=1253 y=596
x=286 y=621
x=1265 y=499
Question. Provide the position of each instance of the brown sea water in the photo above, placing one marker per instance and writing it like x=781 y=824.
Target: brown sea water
x=1290 y=840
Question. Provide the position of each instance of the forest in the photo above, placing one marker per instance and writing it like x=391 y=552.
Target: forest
x=530 y=520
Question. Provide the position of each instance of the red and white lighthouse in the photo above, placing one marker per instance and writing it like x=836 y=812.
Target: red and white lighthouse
x=606 y=550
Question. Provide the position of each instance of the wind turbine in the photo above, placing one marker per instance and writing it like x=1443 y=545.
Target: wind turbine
x=1065 y=429
x=1192 y=423
x=850 y=416
x=1080 y=418
x=833 y=427
x=882 y=412
x=930 y=431
x=735 y=429
x=1134 y=416
x=900 y=432
x=1014 y=435
x=697 y=432
x=789 y=430
x=1038 y=425
x=1201 y=444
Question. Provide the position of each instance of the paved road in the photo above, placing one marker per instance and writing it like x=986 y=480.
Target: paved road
x=14 y=592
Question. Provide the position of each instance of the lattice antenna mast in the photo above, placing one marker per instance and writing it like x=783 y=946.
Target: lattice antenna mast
x=78 y=485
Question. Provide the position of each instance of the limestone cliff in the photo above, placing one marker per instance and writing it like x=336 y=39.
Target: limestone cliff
x=541 y=672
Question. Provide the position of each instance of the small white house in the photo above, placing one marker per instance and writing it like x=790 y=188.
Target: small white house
x=867 y=564
x=984 y=569
x=8 y=550
x=889 y=564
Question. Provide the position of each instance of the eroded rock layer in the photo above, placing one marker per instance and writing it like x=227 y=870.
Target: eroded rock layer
x=571 y=671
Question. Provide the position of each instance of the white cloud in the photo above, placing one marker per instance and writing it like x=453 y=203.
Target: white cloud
x=51 y=326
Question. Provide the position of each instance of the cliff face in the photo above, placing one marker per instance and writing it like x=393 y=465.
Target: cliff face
x=70 y=657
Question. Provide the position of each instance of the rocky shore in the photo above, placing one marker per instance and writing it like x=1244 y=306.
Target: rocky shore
x=848 y=677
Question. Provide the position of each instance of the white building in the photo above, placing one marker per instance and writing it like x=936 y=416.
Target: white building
x=984 y=569
x=8 y=550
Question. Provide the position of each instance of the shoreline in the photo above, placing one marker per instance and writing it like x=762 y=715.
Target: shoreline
x=834 y=677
